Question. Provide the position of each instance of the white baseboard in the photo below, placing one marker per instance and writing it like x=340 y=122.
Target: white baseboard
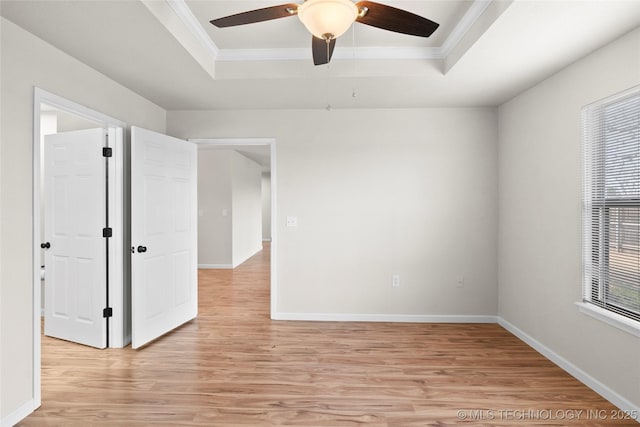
x=216 y=266
x=233 y=264
x=400 y=318
x=604 y=391
x=622 y=403
x=19 y=414
x=268 y=239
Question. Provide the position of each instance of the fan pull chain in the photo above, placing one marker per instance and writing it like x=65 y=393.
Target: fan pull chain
x=328 y=107
x=328 y=41
x=353 y=48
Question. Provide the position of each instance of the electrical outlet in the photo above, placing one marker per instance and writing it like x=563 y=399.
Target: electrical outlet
x=395 y=281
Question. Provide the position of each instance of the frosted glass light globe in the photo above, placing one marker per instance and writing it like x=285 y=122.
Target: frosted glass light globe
x=327 y=19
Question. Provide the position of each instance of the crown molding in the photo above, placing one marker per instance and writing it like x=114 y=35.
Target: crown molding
x=181 y=9
x=176 y=17
x=339 y=53
x=278 y=54
x=470 y=17
x=183 y=12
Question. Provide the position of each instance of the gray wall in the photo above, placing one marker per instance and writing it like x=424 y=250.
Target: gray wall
x=229 y=208
x=214 y=208
x=540 y=216
x=377 y=193
x=246 y=197
x=27 y=62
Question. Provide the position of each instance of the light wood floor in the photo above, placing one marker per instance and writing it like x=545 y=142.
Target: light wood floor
x=235 y=367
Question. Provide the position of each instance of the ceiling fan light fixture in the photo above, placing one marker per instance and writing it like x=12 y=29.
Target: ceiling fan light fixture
x=327 y=19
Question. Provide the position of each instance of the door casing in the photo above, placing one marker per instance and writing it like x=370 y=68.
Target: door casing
x=271 y=143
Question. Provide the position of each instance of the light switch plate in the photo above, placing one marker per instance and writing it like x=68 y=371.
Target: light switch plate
x=292 y=221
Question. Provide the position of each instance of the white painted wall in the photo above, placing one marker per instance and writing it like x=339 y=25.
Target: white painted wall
x=27 y=62
x=377 y=193
x=266 y=206
x=214 y=208
x=246 y=194
x=69 y=122
x=540 y=217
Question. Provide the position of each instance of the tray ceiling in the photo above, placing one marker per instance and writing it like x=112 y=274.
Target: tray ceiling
x=483 y=53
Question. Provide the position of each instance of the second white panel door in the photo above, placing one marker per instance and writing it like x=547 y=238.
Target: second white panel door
x=164 y=288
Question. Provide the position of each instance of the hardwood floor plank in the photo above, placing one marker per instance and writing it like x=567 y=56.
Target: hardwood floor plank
x=233 y=366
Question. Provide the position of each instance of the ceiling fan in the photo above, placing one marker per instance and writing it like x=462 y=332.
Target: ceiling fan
x=327 y=20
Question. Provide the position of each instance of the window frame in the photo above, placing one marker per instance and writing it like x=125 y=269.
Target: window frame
x=597 y=218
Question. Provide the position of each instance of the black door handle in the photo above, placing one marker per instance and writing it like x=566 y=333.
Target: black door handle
x=45 y=245
x=142 y=249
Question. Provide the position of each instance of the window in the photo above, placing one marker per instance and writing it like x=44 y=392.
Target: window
x=611 y=204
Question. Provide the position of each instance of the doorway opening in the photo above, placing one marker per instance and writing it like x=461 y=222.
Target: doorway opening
x=263 y=152
x=53 y=115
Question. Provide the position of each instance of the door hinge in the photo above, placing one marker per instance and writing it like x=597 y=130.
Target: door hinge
x=107 y=232
x=107 y=312
x=107 y=152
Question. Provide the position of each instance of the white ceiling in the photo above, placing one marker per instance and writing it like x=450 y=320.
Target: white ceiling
x=484 y=52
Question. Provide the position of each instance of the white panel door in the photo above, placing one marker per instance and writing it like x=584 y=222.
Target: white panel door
x=164 y=282
x=75 y=253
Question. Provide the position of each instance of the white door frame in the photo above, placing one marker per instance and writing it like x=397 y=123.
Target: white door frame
x=116 y=140
x=271 y=142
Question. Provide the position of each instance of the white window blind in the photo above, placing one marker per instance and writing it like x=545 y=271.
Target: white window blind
x=611 y=203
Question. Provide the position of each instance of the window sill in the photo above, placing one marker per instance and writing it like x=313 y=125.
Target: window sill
x=628 y=325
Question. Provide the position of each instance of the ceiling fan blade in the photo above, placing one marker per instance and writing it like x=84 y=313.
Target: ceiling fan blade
x=393 y=19
x=257 y=15
x=322 y=54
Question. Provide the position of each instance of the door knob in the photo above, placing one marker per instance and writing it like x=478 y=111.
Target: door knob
x=142 y=249
x=45 y=245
